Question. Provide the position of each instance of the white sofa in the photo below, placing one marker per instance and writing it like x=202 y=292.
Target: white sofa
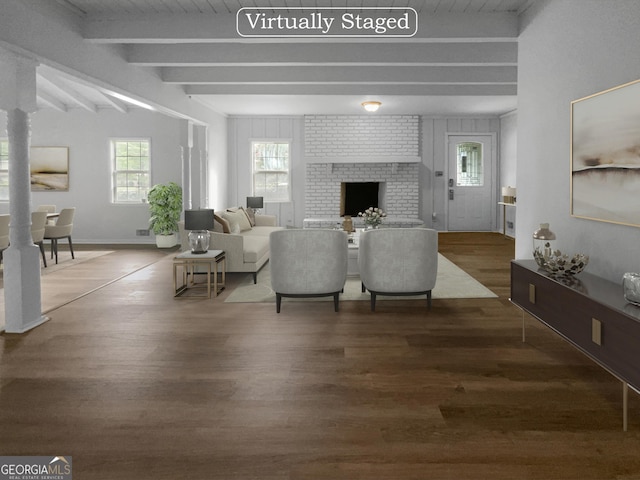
x=246 y=249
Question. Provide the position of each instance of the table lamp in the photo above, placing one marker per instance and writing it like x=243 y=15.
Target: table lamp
x=509 y=194
x=255 y=203
x=199 y=222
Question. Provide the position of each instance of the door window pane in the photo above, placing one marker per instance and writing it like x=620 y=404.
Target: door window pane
x=470 y=171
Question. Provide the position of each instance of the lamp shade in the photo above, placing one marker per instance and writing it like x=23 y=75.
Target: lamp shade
x=508 y=191
x=198 y=219
x=255 y=202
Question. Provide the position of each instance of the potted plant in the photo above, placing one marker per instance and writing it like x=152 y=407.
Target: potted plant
x=165 y=206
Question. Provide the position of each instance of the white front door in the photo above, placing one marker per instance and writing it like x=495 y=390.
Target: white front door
x=471 y=185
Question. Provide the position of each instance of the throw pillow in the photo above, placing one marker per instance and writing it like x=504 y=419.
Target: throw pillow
x=223 y=223
x=241 y=218
x=250 y=215
x=231 y=219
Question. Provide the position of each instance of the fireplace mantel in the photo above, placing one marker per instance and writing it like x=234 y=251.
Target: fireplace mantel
x=364 y=159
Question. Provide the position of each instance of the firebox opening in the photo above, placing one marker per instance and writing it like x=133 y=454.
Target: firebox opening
x=358 y=196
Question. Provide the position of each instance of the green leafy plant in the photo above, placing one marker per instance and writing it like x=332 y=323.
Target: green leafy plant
x=165 y=205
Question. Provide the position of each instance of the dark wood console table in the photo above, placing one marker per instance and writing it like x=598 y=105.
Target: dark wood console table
x=587 y=311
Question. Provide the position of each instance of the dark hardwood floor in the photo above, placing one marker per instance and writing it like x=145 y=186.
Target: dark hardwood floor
x=135 y=384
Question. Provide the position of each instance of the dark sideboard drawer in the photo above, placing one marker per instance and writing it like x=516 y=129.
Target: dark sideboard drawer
x=587 y=311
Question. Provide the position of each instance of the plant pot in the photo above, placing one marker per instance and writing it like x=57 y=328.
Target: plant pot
x=166 y=241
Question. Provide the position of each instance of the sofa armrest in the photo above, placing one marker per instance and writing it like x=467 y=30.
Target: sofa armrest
x=232 y=244
x=266 y=221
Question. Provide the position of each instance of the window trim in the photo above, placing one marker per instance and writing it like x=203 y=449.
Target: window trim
x=289 y=142
x=114 y=171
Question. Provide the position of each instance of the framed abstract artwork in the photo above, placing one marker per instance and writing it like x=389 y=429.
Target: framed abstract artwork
x=49 y=169
x=605 y=155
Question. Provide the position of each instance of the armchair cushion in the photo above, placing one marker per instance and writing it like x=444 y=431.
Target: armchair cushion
x=308 y=263
x=397 y=261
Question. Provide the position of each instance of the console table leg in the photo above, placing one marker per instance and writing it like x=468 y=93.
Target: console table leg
x=625 y=406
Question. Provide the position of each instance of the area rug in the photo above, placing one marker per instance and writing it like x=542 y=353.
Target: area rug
x=451 y=282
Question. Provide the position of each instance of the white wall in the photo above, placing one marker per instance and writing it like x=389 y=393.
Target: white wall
x=508 y=149
x=217 y=153
x=569 y=49
x=241 y=130
x=508 y=166
x=87 y=135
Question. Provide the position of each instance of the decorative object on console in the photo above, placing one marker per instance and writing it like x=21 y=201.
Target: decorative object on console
x=509 y=194
x=543 y=241
x=558 y=263
x=372 y=217
x=347 y=224
x=631 y=287
x=199 y=222
x=552 y=259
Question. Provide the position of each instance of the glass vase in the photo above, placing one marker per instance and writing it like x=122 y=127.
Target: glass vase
x=543 y=244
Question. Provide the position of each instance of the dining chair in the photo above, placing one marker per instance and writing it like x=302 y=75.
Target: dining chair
x=4 y=234
x=38 y=223
x=62 y=229
x=48 y=209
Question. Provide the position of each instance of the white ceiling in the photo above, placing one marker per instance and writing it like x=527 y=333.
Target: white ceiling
x=463 y=61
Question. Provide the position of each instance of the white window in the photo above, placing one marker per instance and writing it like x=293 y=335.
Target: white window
x=131 y=167
x=4 y=170
x=271 y=170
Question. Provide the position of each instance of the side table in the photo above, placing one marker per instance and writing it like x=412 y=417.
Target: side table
x=504 y=215
x=214 y=262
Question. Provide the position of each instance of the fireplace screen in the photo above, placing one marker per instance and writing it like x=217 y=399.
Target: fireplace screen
x=358 y=196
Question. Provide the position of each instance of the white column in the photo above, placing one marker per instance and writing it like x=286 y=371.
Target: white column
x=189 y=187
x=23 y=306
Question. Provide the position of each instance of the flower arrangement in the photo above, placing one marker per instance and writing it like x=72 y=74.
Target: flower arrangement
x=372 y=216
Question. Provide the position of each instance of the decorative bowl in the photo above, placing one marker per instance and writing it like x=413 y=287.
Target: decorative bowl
x=557 y=263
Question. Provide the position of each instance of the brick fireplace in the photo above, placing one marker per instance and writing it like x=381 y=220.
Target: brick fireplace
x=349 y=148
x=398 y=182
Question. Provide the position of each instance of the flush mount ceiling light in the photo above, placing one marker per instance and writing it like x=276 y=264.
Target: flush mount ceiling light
x=371 y=106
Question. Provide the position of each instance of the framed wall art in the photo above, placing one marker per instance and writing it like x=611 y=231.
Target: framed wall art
x=49 y=169
x=605 y=155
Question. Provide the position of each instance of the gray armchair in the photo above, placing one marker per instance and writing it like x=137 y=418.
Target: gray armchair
x=398 y=261
x=308 y=263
